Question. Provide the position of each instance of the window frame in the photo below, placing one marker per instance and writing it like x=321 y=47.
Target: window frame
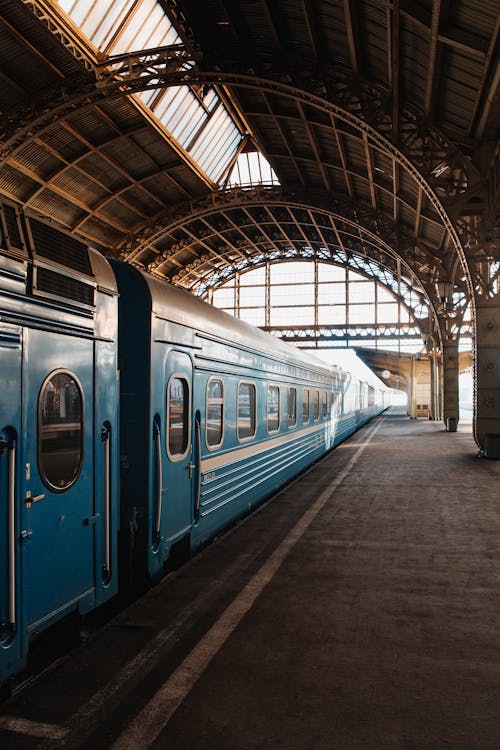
x=308 y=391
x=43 y=476
x=278 y=428
x=175 y=457
x=316 y=412
x=324 y=404
x=211 y=447
x=247 y=438
x=291 y=425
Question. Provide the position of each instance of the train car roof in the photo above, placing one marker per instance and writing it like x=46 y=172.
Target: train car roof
x=180 y=306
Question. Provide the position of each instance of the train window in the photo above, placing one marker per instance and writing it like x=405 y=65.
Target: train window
x=316 y=405
x=305 y=406
x=246 y=411
x=273 y=408
x=60 y=430
x=177 y=417
x=324 y=398
x=292 y=406
x=215 y=412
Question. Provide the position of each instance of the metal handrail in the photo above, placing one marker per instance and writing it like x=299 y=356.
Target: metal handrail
x=198 y=471
x=159 y=481
x=12 y=534
x=106 y=437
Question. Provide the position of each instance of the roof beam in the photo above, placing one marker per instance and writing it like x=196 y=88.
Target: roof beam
x=283 y=136
x=314 y=146
x=273 y=20
x=369 y=170
x=31 y=48
x=393 y=22
x=341 y=149
x=488 y=87
x=439 y=14
x=311 y=27
x=351 y=22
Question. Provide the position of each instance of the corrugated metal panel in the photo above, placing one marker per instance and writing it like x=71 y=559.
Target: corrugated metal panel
x=50 y=204
x=39 y=160
x=80 y=187
x=16 y=185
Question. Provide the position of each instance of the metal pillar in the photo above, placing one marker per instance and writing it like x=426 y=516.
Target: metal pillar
x=412 y=390
x=435 y=411
x=450 y=384
x=487 y=371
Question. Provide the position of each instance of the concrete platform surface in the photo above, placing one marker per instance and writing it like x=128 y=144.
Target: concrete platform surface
x=359 y=609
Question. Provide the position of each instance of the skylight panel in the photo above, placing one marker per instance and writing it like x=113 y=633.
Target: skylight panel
x=219 y=126
x=197 y=119
x=252 y=168
x=148 y=28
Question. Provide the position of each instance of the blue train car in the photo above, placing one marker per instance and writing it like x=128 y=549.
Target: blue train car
x=215 y=416
x=58 y=431
x=111 y=376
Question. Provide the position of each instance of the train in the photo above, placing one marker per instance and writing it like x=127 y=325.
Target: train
x=136 y=421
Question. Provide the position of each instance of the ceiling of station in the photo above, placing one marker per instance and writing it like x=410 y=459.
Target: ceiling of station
x=380 y=119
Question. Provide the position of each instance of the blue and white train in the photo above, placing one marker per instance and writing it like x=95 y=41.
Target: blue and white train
x=135 y=420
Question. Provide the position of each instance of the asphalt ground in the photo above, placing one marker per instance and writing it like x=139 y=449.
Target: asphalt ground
x=356 y=609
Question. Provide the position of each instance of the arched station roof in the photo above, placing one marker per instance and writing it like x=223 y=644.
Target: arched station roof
x=379 y=117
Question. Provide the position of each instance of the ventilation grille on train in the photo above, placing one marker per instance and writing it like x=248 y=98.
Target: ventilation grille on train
x=60 y=247
x=62 y=286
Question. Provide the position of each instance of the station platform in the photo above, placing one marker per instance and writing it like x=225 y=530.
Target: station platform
x=358 y=609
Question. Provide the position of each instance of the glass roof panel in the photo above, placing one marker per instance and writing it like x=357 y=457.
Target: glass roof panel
x=149 y=28
x=198 y=121
x=218 y=128
x=252 y=168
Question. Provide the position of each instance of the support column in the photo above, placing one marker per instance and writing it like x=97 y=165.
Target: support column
x=450 y=381
x=411 y=390
x=434 y=404
x=487 y=370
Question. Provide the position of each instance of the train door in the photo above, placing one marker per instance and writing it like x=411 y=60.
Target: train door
x=10 y=416
x=58 y=467
x=179 y=438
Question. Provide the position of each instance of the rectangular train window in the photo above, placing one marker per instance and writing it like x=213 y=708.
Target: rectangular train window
x=316 y=405
x=177 y=417
x=324 y=398
x=273 y=408
x=215 y=412
x=305 y=406
x=292 y=406
x=246 y=425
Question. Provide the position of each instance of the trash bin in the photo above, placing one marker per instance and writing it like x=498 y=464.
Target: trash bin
x=451 y=424
x=491 y=445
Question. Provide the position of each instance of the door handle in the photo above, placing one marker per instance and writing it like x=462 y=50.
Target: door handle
x=30 y=499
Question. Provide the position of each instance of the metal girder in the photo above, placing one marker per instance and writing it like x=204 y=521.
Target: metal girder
x=362 y=106
x=358 y=230
x=351 y=332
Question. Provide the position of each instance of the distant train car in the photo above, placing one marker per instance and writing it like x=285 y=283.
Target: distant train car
x=214 y=416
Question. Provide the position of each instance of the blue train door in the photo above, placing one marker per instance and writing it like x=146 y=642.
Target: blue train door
x=180 y=466
x=58 y=495
x=10 y=420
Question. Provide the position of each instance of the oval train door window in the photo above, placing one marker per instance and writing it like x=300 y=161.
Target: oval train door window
x=178 y=417
x=60 y=430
